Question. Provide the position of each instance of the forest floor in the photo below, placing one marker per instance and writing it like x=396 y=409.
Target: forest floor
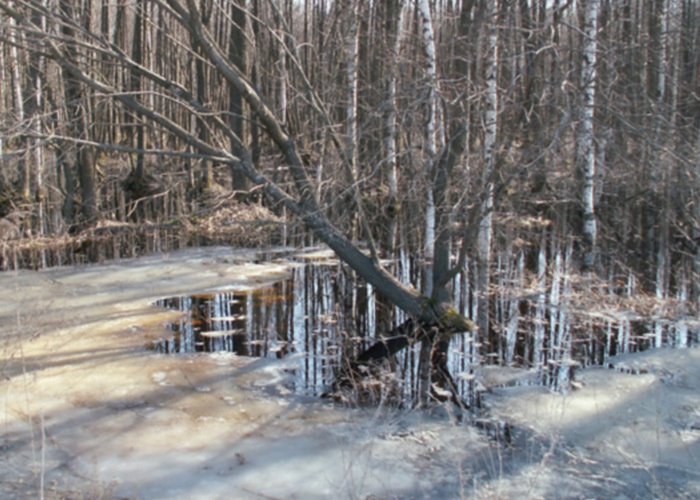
x=89 y=411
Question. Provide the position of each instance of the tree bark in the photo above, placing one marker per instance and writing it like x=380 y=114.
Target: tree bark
x=237 y=53
x=489 y=158
x=135 y=84
x=428 y=313
x=393 y=21
x=585 y=145
x=431 y=104
x=76 y=104
x=18 y=98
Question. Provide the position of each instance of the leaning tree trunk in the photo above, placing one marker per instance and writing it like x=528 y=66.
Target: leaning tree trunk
x=429 y=314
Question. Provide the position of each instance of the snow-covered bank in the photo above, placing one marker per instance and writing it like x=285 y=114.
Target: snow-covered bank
x=89 y=411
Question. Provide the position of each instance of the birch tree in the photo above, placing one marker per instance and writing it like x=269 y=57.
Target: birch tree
x=18 y=95
x=393 y=20
x=300 y=198
x=352 y=49
x=490 y=125
x=585 y=141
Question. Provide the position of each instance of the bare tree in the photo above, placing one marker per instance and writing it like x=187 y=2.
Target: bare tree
x=77 y=116
x=585 y=143
x=302 y=202
x=490 y=106
x=447 y=130
x=238 y=55
x=393 y=20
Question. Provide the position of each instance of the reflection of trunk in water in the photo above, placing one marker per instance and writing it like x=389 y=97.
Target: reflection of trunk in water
x=332 y=322
x=306 y=314
x=296 y=315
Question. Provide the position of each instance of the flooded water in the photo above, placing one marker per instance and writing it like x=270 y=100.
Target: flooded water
x=321 y=315
x=316 y=315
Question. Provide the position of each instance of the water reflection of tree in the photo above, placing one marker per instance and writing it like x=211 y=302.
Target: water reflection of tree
x=434 y=99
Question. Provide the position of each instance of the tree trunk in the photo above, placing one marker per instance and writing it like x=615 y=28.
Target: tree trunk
x=35 y=115
x=432 y=103
x=237 y=53
x=77 y=124
x=206 y=180
x=489 y=158
x=393 y=21
x=433 y=138
x=695 y=231
x=352 y=49
x=18 y=95
x=585 y=146
x=135 y=86
x=428 y=313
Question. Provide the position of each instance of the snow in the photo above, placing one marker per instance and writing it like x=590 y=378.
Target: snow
x=89 y=411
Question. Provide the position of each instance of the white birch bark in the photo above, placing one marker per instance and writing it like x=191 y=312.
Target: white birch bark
x=390 y=138
x=2 y=95
x=18 y=93
x=351 y=9
x=659 y=175
x=435 y=132
x=564 y=360
x=585 y=147
x=352 y=53
x=538 y=354
x=38 y=149
x=431 y=145
x=15 y=66
x=663 y=265
x=490 y=104
x=663 y=56
x=390 y=126
x=696 y=227
x=517 y=282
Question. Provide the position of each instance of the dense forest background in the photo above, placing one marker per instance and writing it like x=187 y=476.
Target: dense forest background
x=572 y=204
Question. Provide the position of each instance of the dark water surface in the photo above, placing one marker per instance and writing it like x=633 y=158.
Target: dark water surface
x=318 y=313
x=321 y=314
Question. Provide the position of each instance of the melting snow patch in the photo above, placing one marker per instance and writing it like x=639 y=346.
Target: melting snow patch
x=160 y=378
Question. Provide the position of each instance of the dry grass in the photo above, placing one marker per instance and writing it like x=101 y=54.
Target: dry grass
x=237 y=224
x=229 y=223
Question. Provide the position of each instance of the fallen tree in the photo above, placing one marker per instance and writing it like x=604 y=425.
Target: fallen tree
x=432 y=316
